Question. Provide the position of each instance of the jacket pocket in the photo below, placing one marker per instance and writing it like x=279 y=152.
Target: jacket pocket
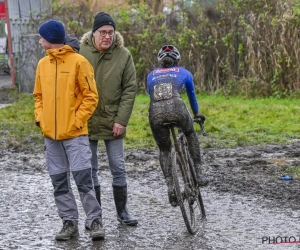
x=40 y=120
x=79 y=98
x=78 y=123
x=111 y=113
x=111 y=109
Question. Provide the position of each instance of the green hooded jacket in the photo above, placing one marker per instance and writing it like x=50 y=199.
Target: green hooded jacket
x=115 y=77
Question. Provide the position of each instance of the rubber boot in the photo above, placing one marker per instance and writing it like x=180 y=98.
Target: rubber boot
x=98 y=194
x=120 y=197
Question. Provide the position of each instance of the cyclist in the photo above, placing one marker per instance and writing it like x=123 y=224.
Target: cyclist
x=164 y=86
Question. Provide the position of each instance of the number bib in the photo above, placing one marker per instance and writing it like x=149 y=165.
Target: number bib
x=162 y=91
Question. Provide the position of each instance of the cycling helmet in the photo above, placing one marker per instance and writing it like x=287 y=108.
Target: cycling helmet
x=168 y=50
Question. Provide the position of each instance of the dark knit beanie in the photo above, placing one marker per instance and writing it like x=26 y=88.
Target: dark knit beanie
x=53 y=31
x=101 y=19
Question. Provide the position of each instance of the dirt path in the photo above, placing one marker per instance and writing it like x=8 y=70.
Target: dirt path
x=249 y=171
x=256 y=171
x=246 y=208
x=5 y=81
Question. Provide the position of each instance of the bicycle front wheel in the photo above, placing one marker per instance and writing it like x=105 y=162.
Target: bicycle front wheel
x=183 y=191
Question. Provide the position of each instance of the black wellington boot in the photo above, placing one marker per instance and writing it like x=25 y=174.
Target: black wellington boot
x=98 y=194
x=120 y=196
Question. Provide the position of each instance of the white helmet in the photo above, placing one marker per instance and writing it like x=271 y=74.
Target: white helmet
x=168 y=50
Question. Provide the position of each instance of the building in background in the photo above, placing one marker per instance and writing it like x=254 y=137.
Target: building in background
x=2 y=10
x=4 y=62
x=23 y=19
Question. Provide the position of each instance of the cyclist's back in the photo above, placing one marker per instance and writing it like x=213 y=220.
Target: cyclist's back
x=164 y=86
x=180 y=77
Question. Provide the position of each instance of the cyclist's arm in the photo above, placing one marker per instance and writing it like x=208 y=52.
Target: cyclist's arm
x=190 y=90
x=148 y=83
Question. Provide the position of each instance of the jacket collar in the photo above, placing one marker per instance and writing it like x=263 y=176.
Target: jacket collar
x=58 y=54
x=88 y=36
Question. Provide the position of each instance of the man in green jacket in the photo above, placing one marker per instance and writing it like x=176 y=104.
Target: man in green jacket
x=116 y=83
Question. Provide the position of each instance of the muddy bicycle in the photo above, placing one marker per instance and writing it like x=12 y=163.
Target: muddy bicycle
x=186 y=188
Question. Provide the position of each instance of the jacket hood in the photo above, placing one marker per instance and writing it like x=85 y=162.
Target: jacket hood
x=59 y=53
x=119 y=40
x=73 y=42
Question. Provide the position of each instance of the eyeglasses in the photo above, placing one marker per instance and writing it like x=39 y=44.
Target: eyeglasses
x=104 y=33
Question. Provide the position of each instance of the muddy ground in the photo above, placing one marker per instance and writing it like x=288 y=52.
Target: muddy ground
x=248 y=171
x=245 y=173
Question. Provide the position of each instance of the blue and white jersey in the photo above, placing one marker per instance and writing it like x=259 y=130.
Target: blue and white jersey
x=181 y=79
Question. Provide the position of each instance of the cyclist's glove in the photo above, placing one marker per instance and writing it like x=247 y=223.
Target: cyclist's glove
x=201 y=116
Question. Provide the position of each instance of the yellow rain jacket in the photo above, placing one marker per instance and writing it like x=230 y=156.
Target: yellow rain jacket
x=65 y=94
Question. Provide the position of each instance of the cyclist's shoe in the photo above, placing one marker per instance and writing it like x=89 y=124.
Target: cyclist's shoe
x=68 y=230
x=172 y=198
x=97 y=232
x=202 y=181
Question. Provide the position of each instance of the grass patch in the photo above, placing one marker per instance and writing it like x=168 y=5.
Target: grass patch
x=230 y=122
x=17 y=125
x=295 y=171
x=239 y=122
x=138 y=130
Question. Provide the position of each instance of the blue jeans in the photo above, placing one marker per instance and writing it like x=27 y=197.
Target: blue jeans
x=115 y=154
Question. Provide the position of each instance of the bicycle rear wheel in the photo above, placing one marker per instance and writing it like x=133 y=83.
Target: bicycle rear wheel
x=199 y=201
x=183 y=192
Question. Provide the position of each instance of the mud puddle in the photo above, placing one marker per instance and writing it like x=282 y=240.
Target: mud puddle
x=238 y=216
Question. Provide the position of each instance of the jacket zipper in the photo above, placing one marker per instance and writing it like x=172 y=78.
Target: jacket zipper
x=55 y=108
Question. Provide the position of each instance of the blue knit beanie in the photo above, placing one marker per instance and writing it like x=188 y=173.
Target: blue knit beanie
x=53 y=31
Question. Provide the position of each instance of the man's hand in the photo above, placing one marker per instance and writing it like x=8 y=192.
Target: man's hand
x=118 y=129
x=201 y=116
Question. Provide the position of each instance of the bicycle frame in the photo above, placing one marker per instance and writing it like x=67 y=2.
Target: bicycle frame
x=177 y=140
x=184 y=177
x=183 y=164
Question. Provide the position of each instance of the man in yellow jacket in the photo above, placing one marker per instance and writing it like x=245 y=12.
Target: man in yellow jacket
x=65 y=98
